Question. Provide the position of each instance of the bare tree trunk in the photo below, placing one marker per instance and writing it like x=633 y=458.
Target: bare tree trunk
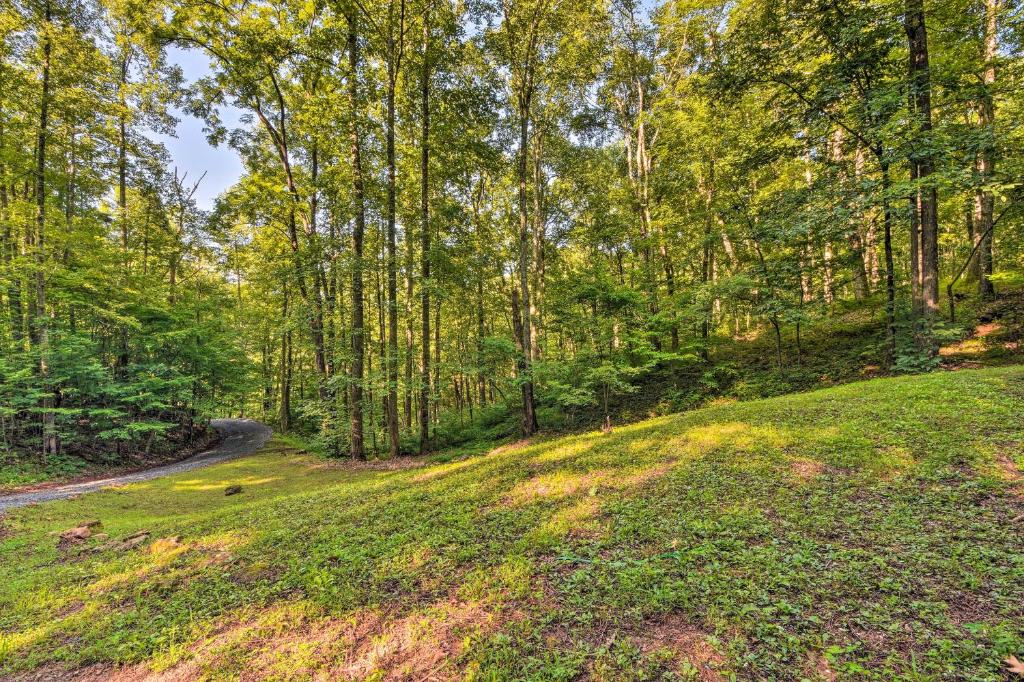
x=890 y=274
x=268 y=381
x=410 y=340
x=529 y=424
x=435 y=387
x=539 y=227
x=122 y=159
x=285 y=414
x=51 y=439
x=915 y=243
x=391 y=359
x=331 y=293
x=425 y=283
x=707 y=254
x=922 y=160
x=984 y=201
x=358 y=198
x=481 y=379
x=122 y=192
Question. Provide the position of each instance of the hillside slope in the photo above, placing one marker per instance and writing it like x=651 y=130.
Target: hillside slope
x=870 y=531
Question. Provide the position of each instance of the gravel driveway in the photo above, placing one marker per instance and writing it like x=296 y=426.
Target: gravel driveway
x=240 y=437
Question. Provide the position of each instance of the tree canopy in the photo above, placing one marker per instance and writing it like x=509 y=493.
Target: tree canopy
x=453 y=208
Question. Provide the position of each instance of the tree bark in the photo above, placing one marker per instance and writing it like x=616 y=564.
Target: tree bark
x=707 y=254
x=890 y=275
x=51 y=439
x=424 y=406
x=984 y=201
x=391 y=360
x=357 y=448
x=529 y=423
x=539 y=228
x=922 y=160
x=285 y=413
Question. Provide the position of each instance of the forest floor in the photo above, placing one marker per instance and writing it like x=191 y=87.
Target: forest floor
x=867 y=531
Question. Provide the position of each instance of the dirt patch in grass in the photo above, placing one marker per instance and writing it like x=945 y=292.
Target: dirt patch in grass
x=1009 y=468
x=805 y=469
x=687 y=643
x=425 y=644
x=818 y=668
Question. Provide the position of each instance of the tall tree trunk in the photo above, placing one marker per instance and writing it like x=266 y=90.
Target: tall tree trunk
x=890 y=274
x=923 y=158
x=285 y=414
x=707 y=254
x=435 y=387
x=359 y=230
x=331 y=292
x=51 y=440
x=424 y=406
x=862 y=240
x=984 y=201
x=529 y=424
x=268 y=382
x=481 y=379
x=915 y=242
x=122 y=193
x=122 y=159
x=410 y=341
x=539 y=228
x=638 y=164
x=391 y=360
x=319 y=278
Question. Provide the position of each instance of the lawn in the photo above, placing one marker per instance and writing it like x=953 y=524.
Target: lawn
x=869 y=531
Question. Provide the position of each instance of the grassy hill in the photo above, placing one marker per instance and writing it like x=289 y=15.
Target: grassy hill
x=869 y=531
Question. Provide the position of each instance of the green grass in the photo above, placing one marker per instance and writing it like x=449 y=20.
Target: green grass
x=868 y=531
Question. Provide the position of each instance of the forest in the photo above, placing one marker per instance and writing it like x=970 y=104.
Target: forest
x=474 y=220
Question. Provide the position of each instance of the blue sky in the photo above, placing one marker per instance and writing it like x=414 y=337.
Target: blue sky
x=189 y=150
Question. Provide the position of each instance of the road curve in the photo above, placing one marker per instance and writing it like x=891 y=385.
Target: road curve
x=240 y=437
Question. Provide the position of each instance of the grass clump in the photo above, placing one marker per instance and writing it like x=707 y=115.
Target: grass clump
x=868 y=531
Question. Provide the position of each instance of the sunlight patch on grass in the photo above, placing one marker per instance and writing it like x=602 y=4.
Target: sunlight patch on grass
x=731 y=437
x=577 y=519
x=557 y=485
x=202 y=485
x=440 y=470
x=572 y=448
